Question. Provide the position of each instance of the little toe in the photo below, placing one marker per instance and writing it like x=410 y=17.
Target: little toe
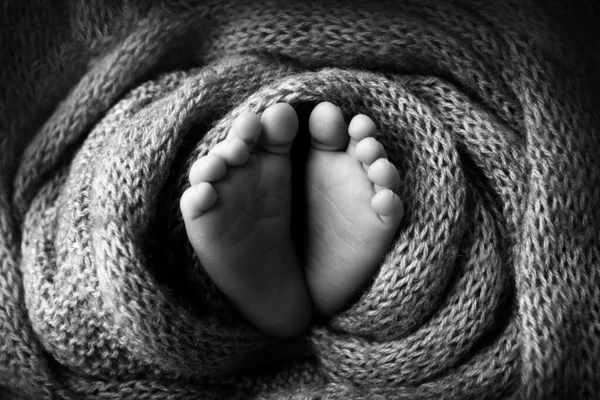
x=209 y=168
x=279 y=127
x=389 y=207
x=368 y=150
x=196 y=200
x=384 y=175
x=361 y=127
x=327 y=128
x=234 y=151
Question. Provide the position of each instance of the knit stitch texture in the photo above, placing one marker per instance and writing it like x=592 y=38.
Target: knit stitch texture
x=491 y=288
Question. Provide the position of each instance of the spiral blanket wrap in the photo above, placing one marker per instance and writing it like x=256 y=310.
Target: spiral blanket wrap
x=491 y=288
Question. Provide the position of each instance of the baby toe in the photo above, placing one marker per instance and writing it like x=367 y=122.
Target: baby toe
x=233 y=151
x=209 y=168
x=196 y=200
x=327 y=128
x=368 y=150
x=384 y=175
x=361 y=127
x=279 y=128
x=389 y=206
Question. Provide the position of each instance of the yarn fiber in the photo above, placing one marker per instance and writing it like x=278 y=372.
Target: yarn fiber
x=491 y=288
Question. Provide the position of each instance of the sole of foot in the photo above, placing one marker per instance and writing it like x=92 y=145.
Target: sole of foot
x=353 y=210
x=237 y=214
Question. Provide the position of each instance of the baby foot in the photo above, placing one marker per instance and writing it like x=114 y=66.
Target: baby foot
x=237 y=215
x=353 y=209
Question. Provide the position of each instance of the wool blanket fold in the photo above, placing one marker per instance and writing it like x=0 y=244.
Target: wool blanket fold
x=491 y=288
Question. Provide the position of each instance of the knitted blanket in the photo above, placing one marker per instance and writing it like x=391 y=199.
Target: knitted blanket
x=491 y=288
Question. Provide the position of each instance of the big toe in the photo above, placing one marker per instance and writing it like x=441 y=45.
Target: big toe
x=279 y=128
x=327 y=127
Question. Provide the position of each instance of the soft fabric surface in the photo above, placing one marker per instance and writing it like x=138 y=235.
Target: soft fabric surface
x=490 y=290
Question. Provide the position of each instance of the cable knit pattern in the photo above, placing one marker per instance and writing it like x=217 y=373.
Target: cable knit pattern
x=491 y=288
